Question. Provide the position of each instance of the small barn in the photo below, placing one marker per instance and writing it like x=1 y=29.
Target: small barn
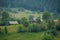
x=13 y=22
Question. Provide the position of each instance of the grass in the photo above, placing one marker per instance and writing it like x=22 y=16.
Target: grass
x=22 y=36
x=23 y=14
x=13 y=35
x=58 y=36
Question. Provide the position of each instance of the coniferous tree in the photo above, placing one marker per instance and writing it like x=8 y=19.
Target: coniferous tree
x=25 y=22
x=46 y=16
x=5 y=18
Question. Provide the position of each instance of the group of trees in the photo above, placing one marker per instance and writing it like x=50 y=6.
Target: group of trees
x=58 y=25
x=48 y=25
x=4 y=18
x=3 y=31
x=47 y=36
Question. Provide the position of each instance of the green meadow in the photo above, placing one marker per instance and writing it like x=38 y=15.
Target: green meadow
x=24 y=14
x=13 y=35
x=29 y=30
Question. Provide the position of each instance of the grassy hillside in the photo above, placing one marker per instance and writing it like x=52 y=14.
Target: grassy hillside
x=23 y=36
x=58 y=36
x=24 y=14
x=13 y=35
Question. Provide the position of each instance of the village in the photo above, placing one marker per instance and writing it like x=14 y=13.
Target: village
x=40 y=25
x=29 y=19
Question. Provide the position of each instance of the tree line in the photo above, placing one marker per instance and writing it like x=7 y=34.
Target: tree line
x=48 y=25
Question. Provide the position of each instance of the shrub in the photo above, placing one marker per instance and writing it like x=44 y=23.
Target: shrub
x=0 y=31
x=54 y=32
x=22 y=29
x=25 y=22
x=51 y=25
x=38 y=20
x=58 y=25
x=52 y=28
x=47 y=36
x=43 y=26
x=6 y=31
x=36 y=27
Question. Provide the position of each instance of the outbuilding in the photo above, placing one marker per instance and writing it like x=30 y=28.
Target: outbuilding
x=13 y=22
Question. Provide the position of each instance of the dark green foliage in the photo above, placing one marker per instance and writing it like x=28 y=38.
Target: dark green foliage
x=43 y=26
x=54 y=32
x=3 y=23
x=46 y=16
x=39 y=5
x=47 y=36
x=20 y=29
x=37 y=27
x=19 y=21
x=51 y=25
x=6 y=31
x=5 y=18
x=52 y=28
x=59 y=17
x=25 y=22
x=32 y=28
x=0 y=31
x=58 y=25
x=5 y=39
x=38 y=20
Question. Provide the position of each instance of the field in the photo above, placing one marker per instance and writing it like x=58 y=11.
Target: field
x=13 y=35
x=22 y=36
x=24 y=14
x=13 y=30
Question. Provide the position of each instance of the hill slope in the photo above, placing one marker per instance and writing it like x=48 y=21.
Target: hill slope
x=35 y=5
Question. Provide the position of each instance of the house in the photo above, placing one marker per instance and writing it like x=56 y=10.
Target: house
x=13 y=22
x=55 y=20
x=32 y=19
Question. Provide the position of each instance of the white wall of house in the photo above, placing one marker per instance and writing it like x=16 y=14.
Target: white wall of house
x=13 y=22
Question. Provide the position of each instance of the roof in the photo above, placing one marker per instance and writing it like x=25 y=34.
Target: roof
x=13 y=22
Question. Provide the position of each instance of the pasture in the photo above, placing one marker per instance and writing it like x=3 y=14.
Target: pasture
x=24 y=14
x=13 y=35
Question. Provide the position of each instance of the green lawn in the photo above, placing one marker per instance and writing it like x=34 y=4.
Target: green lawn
x=23 y=14
x=58 y=36
x=22 y=36
x=13 y=35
